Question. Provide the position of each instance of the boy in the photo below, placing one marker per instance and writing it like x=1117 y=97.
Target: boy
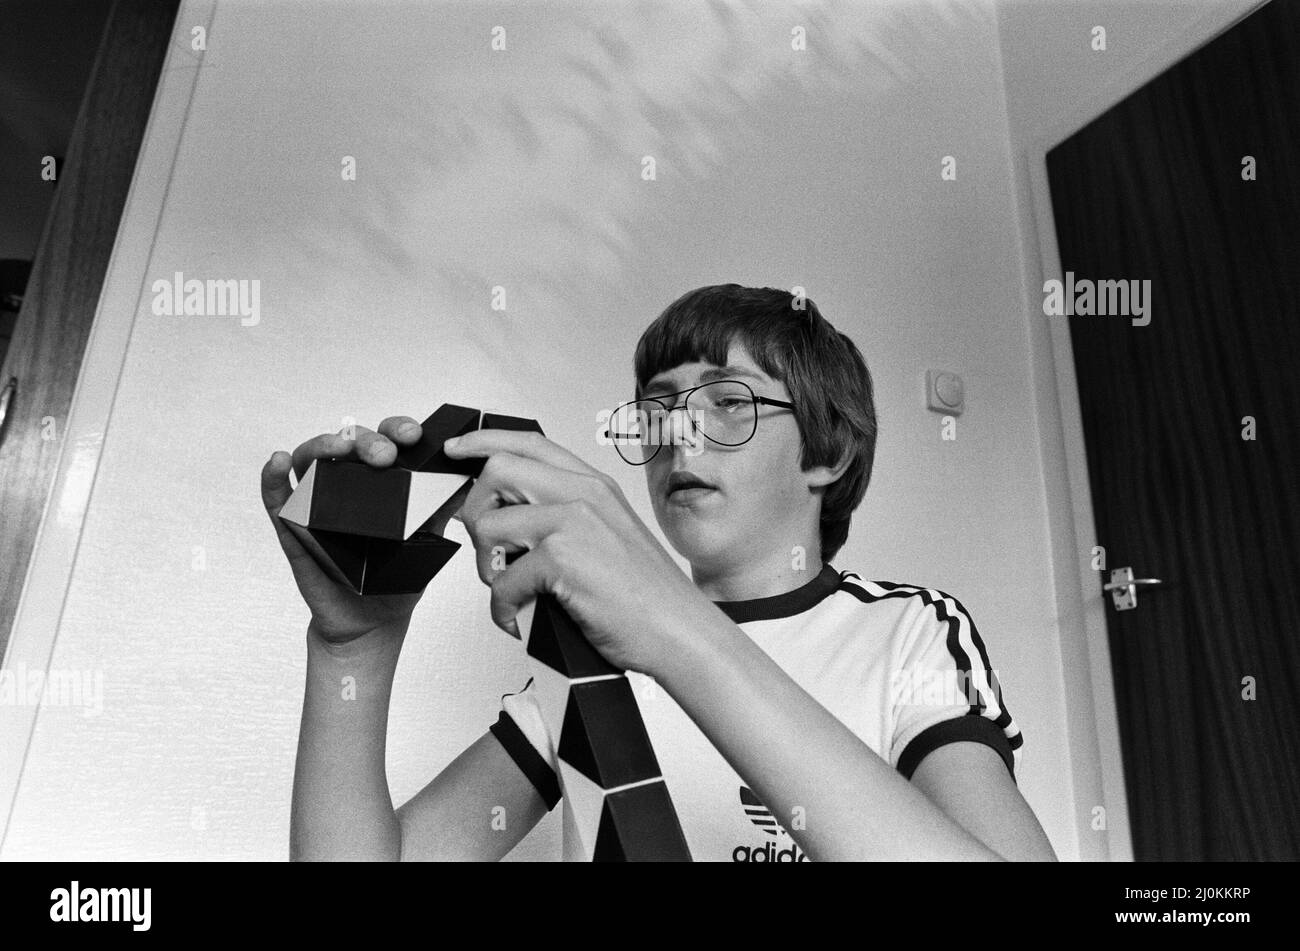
x=801 y=712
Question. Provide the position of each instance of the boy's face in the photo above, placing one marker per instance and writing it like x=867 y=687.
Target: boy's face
x=759 y=499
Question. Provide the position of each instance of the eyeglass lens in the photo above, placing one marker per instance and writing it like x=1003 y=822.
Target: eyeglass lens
x=723 y=411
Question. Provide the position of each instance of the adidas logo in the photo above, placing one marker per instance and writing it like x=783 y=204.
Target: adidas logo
x=761 y=816
x=758 y=813
x=768 y=853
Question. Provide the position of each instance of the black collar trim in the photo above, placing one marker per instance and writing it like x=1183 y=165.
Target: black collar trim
x=783 y=605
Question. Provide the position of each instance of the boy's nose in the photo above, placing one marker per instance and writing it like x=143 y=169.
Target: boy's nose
x=683 y=431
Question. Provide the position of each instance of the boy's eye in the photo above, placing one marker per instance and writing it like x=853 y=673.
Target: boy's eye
x=729 y=402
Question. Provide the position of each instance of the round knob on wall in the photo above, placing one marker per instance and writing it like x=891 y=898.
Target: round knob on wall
x=948 y=387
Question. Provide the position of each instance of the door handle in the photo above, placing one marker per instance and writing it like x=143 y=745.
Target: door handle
x=6 y=397
x=1123 y=588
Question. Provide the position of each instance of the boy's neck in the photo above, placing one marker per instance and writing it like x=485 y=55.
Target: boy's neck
x=746 y=582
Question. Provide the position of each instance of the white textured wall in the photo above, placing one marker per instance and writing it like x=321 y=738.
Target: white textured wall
x=1052 y=71
x=522 y=169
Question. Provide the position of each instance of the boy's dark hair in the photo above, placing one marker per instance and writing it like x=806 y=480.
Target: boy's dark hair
x=828 y=380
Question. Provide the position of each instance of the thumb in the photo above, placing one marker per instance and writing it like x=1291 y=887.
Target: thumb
x=275 y=492
x=275 y=481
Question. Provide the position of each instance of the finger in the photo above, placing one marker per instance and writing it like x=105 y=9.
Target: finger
x=533 y=445
x=324 y=446
x=403 y=430
x=275 y=481
x=275 y=492
x=503 y=535
x=373 y=447
x=364 y=446
x=508 y=479
x=522 y=582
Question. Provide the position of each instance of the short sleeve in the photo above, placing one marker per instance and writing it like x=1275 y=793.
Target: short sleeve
x=945 y=689
x=522 y=732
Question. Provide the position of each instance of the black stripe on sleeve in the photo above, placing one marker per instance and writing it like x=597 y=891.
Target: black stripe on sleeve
x=973 y=728
x=529 y=761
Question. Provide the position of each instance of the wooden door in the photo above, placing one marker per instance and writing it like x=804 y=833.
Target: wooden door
x=49 y=338
x=1191 y=426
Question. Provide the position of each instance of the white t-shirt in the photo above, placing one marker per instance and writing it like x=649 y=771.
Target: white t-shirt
x=903 y=667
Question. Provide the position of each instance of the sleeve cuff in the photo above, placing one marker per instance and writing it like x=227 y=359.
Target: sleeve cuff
x=968 y=728
x=529 y=761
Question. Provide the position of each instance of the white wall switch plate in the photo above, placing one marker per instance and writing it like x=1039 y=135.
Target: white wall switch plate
x=944 y=392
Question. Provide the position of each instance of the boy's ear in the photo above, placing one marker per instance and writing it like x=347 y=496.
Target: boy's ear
x=825 y=475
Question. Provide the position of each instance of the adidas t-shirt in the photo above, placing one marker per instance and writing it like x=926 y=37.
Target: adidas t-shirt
x=903 y=667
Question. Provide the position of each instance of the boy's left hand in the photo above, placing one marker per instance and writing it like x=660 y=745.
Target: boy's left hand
x=586 y=547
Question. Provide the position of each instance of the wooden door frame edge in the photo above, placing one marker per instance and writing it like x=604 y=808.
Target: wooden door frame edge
x=40 y=608
x=1092 y=716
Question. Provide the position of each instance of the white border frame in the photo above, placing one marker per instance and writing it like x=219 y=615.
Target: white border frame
x=1092 y=727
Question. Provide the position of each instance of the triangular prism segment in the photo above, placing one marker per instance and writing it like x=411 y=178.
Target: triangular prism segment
x=342 y=557
x=497 y=421
x=351 y=498
x=640 y=825
x=583 y=801
x=556 y=641
x=524 y=620
x=570 y=837
x=297 y=508
x=429 y=494
x=603 y=736
x=453 y=505
x=405 y=567
x=448 y=420
x=551 y=691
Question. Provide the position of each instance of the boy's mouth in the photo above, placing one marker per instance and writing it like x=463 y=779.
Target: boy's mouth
x=684 y=486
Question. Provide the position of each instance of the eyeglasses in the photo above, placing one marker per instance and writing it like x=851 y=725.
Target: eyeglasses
x=724 y=412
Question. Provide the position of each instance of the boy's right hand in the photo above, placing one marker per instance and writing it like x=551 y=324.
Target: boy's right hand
x=339 y=614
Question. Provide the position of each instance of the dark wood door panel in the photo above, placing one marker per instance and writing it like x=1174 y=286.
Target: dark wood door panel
x=1154 y=190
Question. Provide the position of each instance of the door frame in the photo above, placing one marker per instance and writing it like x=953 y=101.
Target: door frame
x=39 y=611
x=1092 y=726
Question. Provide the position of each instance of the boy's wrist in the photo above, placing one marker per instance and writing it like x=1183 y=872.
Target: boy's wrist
x=695 y=649
x=377 y=642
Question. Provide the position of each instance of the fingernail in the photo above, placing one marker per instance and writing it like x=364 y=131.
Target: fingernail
x=451 y=443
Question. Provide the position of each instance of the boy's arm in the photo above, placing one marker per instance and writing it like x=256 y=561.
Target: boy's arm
x=477 y=809
x=342 y=806
x=831 y=792
x=970 y=782
x=342 y=809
